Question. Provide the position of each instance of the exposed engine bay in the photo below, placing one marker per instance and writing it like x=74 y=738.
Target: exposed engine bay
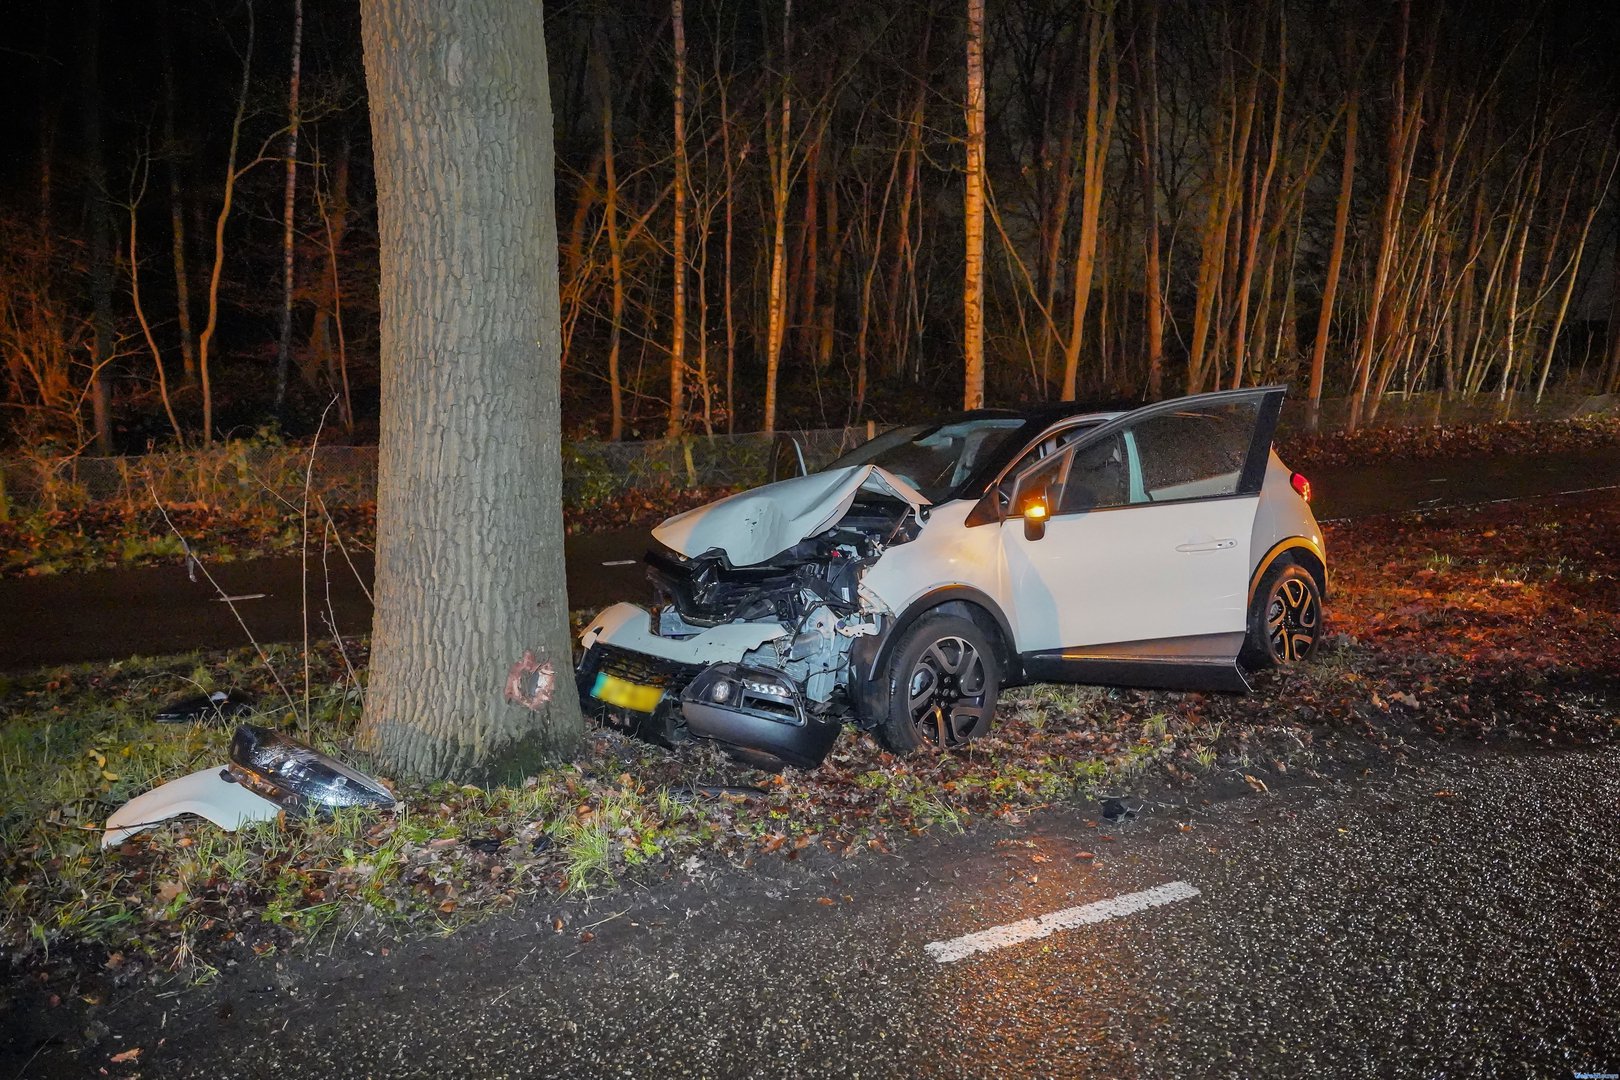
x=753 y=655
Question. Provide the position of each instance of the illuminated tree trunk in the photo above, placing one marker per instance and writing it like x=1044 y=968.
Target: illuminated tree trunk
x=1330 y=286
x=973 y=216
x=779 y=146
x=1099 y=134
x=470 y=645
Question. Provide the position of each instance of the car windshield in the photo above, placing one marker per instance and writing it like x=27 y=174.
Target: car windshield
x=935 y=458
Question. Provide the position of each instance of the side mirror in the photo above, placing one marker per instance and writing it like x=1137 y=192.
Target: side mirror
x=1035 y=511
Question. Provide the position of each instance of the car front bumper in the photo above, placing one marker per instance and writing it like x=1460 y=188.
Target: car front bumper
x=758 y=710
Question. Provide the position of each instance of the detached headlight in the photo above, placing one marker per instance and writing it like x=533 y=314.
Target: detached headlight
x=298 y=778
x=770 y=688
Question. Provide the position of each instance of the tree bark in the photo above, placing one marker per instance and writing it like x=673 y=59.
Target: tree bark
x=471 y=657
x=973 y=216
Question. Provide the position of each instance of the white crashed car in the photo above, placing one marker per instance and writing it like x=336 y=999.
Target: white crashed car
x=904 y=585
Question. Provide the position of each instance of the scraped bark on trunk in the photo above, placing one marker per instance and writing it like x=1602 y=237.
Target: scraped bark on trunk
x=470 y=645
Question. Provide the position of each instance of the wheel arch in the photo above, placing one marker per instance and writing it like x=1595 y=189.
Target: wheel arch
x=1301 y=552
x=871 y=655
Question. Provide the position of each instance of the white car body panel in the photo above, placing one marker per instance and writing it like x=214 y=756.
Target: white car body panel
x=1282 y=515
x=204 y=793
x=1131 y=573
x=945 y=553
x=628 y=626
x=752 y=526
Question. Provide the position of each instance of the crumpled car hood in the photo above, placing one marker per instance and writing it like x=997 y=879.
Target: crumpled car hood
x=752 y=526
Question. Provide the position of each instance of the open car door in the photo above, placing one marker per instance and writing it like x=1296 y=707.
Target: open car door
x=1127 y=553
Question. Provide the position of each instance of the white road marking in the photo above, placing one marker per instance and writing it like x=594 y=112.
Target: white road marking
x=621 y=562
x=244 y=596
x=998 y=937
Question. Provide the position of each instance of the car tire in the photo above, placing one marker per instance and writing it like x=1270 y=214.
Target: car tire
x=942 y=682
x=1285 y=618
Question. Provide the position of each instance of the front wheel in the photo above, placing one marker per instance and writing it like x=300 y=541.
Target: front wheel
x=1285 y=618
x=943 y=679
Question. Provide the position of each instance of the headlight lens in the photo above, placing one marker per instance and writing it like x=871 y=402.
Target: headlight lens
x=774 y=689
x=297 y=777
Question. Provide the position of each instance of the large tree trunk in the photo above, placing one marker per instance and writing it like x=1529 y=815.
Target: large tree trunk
x=973 y=216
x=471 y=660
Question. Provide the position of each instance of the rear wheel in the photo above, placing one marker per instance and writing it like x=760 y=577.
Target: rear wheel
x=1285 y=618
x=943 y=680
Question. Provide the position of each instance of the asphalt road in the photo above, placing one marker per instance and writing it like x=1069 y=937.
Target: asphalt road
x=1459 y=920
x=154 y=610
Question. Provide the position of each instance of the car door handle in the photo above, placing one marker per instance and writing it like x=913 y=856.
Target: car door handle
x=1207 y=545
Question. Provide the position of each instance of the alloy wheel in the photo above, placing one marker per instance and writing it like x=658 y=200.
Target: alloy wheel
x=1292 y=619
x=946 y=692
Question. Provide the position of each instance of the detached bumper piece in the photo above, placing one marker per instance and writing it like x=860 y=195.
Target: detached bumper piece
x=759 y=710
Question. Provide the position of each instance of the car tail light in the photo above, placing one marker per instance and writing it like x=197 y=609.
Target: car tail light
x=1301 y=485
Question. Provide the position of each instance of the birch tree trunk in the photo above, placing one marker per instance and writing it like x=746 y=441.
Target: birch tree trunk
x=471 y=659
x=973 y=216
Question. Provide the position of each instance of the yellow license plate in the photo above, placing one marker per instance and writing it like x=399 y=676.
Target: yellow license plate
x=626 y=694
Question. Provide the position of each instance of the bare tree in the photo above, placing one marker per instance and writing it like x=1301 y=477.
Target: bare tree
x=470 y=647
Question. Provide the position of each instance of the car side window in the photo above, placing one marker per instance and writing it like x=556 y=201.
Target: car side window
x=1098 y=478
x=1195 y=453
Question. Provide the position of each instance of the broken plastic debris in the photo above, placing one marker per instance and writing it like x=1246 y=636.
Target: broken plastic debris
x=219 y=705
x=206 y=793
